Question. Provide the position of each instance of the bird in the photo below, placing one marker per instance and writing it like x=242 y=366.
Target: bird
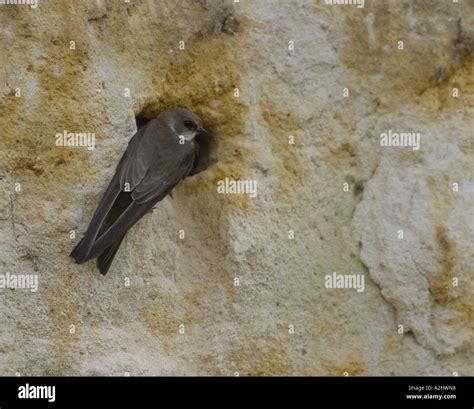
x=163 y=151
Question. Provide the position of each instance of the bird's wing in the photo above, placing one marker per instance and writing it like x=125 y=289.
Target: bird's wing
x=157 y=183
x=82 y=249
x=137 y=159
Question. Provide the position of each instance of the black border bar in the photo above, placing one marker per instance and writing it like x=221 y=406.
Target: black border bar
x=242 y=392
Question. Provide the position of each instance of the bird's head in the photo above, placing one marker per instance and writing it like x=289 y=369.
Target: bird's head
x=184 y=122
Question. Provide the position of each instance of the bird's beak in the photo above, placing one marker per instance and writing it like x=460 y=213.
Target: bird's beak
x=203 y=131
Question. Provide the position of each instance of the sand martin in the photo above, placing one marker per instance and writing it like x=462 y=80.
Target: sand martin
x=161 y=153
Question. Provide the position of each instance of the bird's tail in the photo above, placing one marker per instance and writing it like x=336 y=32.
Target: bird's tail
x=78 y=254
x=82 y=252
x=104 y=260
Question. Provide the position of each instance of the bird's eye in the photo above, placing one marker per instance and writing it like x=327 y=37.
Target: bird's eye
x=189 y=125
